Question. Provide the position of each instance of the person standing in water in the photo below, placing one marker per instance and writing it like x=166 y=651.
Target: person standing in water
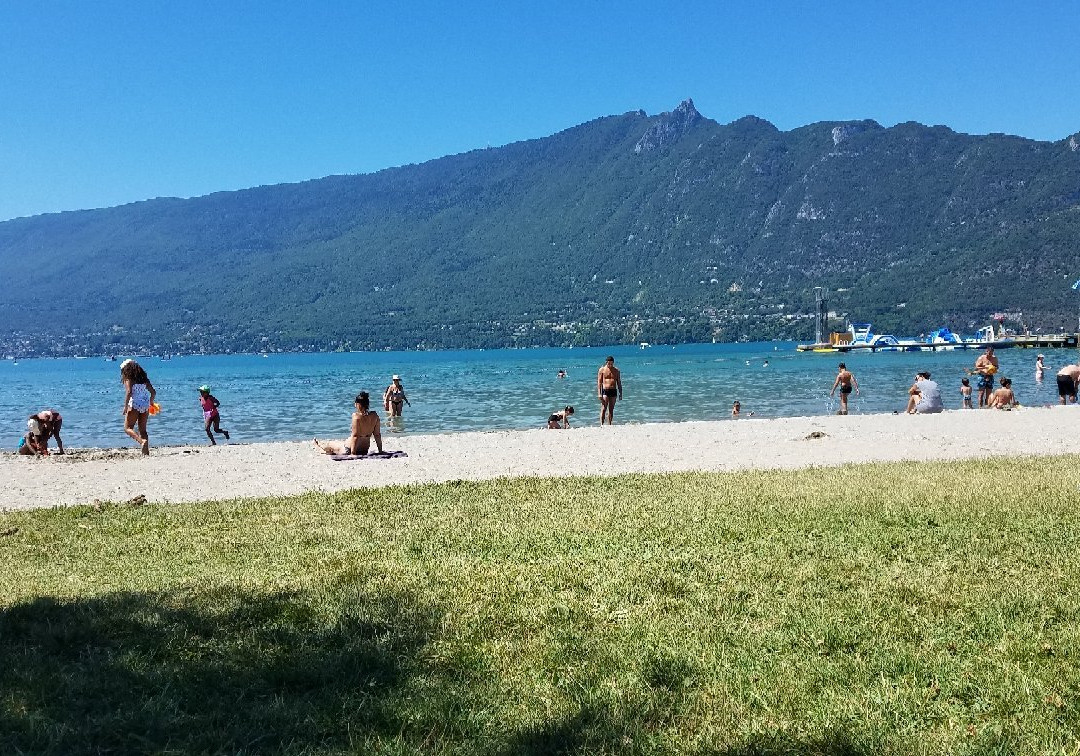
x=965 y=392
x=138 y=396
x=1040 y=369
x=845 y=379
x=609 y=389
x=1067 y=379
x=394 y=397
x=985 y=367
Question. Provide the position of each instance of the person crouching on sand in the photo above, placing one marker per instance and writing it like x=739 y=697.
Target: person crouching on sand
x=211 y=415
x=560 y=419
x=138 y=396
x=365 y=426
x=39 y=428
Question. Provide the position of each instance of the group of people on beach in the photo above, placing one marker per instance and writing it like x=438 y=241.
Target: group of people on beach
x=924 y=396
x=139 y=405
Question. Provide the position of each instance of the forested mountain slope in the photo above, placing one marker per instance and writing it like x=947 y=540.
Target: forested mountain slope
x=663 y=228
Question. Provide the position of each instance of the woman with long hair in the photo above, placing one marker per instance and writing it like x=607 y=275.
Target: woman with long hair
x=138 y=396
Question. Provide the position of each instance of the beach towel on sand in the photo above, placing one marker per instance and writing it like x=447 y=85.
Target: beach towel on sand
x=373 y=455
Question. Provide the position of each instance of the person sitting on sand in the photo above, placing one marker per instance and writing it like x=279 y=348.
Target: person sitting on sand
x=40 y=427
x=845 y=379
x=924 y=396
x=1067 y=379
x=365 y=426
x=1003 y=398
x=560 y=419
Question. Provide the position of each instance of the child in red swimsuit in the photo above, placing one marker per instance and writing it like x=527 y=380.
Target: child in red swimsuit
x=210 y=414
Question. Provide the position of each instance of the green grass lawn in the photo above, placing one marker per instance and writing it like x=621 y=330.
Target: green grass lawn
x=928 y=608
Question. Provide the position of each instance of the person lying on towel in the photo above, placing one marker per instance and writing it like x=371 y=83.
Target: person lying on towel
x=365 y=426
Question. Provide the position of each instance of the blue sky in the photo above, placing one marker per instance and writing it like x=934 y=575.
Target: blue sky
x=103 y=102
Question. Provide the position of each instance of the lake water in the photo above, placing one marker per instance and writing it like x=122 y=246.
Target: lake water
x=297 y=396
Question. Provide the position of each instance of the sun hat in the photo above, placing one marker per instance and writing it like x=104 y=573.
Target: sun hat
x=204 y=389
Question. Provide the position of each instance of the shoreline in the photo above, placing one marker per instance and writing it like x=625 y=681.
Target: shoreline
x=204 y=473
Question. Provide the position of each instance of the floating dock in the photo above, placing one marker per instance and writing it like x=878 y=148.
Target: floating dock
x=1024 y=341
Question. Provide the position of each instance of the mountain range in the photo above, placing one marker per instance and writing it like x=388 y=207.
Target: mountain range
x=665 y=228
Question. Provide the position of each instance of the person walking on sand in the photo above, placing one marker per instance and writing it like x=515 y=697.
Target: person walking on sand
x=608 y=388
x=138 y=396
x=394 y=397
x=985 y=367
x=1067 y=379
x=210 y=413
x=845 y=379
x=365 y=426
x=924 y=396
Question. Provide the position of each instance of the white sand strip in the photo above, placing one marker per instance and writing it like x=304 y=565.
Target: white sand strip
x=224 y=472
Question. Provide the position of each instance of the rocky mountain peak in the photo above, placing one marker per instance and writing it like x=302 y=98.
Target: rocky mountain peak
x=847 y=130
x=669 y=127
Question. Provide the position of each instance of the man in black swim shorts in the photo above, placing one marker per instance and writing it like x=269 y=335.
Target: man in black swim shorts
x=1067 y=379
x=845 y=379
x=608 y=388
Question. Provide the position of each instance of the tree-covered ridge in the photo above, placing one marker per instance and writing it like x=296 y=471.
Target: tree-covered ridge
x=627 y=228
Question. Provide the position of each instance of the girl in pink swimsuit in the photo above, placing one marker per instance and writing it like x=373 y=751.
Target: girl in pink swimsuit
x=210 y=406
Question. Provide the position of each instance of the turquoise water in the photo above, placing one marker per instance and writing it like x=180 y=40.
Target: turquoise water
x=297 y=396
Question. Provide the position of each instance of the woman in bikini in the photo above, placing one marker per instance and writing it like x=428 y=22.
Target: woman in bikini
x=365 y=426
x=394 y=397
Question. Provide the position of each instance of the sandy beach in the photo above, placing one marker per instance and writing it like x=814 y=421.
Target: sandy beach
x=180 y=474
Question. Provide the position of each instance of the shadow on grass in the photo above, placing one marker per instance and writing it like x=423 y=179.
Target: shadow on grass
x=219 y=672
x=597 y=730
x=327 y=670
